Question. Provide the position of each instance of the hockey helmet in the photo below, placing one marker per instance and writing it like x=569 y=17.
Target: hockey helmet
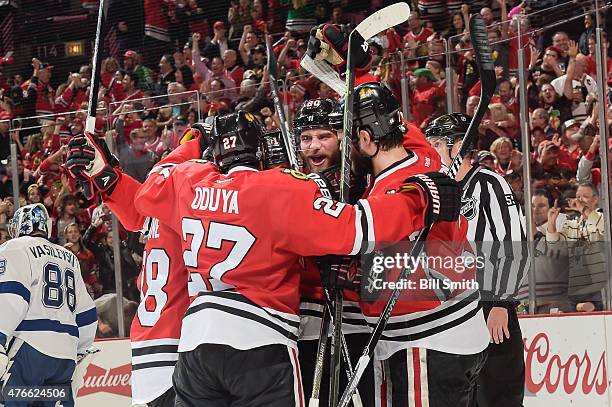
x=235 y=139
x=314 y=114
x=274 y=152
x=449 y=126
x=374 y=108
x=29 y=220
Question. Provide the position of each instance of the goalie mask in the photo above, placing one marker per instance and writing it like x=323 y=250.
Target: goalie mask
x=30 y=219
x=374 y=108
x=274 y=152
x=235 y=139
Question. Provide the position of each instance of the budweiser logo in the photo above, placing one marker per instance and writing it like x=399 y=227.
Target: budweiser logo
x=543 y=369
x=116 y=380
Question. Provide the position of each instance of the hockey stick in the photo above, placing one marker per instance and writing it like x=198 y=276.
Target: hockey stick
x=90 y=124
x=321 y=346
x=486 y=70
x=284 y=125
x=381 y=20
x=386 y=18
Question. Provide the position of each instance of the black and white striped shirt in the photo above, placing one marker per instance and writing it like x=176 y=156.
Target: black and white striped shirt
x=496 y=229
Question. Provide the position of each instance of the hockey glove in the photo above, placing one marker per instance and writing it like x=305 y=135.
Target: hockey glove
x=329 y=42
x=443 y=195
x=4 y=361
x=333 y=180
x=200 y=132
x=341 y=272
x=91 y=163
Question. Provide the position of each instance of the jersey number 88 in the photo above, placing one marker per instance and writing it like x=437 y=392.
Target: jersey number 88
x=54 y=291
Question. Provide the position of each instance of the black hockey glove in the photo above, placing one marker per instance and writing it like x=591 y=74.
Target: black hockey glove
x=198 y=131
x=443 y=195
x=333 y=179
x=91 y=163
x=341 y=272
x=329 y=42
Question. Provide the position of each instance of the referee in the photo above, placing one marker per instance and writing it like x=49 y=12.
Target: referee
x=496 y=229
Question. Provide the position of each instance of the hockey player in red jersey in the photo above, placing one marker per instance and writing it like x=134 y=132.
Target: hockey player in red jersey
x=164 y=283
x=431 y=349
x=320 y=151
x=244 y=232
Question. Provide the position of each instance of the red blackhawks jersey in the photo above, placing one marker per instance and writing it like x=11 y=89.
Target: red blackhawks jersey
x=353 y=321
x=422 y=317
x=165 y=288
x=245 y=232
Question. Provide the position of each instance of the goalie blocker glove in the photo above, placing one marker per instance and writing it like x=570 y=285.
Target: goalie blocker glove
x=91 y=163
x=443 y=195
x=329 y=42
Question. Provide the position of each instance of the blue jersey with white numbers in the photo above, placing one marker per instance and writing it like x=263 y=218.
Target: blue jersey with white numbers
x=43 y=299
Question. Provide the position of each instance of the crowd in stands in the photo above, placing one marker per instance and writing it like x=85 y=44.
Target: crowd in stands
x=220 y=66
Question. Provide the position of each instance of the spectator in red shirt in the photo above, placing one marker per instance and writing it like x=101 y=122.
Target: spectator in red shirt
x=425 y=96
x=74 y=94
x=591 y=68
x=87 y=261
x=44 y=92
x=418 y=33
x=569 y=148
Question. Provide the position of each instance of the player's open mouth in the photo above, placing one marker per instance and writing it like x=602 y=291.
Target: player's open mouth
x=318 y=161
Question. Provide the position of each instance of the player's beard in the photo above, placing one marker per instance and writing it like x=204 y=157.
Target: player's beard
x=362 y=165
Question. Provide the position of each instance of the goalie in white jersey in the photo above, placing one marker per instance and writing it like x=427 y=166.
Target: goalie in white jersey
x=47 y=318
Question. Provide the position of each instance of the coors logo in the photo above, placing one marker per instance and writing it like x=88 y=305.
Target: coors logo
x=567 y=373
x=116 y=380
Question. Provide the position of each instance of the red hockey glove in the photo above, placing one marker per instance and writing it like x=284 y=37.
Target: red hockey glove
x=443 y=195
x=91 y=163
x=329 y=42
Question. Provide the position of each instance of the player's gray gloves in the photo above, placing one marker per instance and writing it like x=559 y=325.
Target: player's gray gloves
x=91 y=163
x=4 y=361
x=443 y=195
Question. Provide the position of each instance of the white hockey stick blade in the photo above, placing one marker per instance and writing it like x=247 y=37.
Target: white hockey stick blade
x=324 y=72
x=384 y=19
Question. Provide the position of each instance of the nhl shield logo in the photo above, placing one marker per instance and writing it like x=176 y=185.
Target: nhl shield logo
x=469 y=207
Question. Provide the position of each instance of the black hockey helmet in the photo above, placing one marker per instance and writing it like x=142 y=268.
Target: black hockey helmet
x=374 y=108
x=449 y=126
x=313 y=114
x=274 y=152
x=235 y=139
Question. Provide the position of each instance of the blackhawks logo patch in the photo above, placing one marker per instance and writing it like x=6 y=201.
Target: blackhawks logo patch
x=296 y=174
